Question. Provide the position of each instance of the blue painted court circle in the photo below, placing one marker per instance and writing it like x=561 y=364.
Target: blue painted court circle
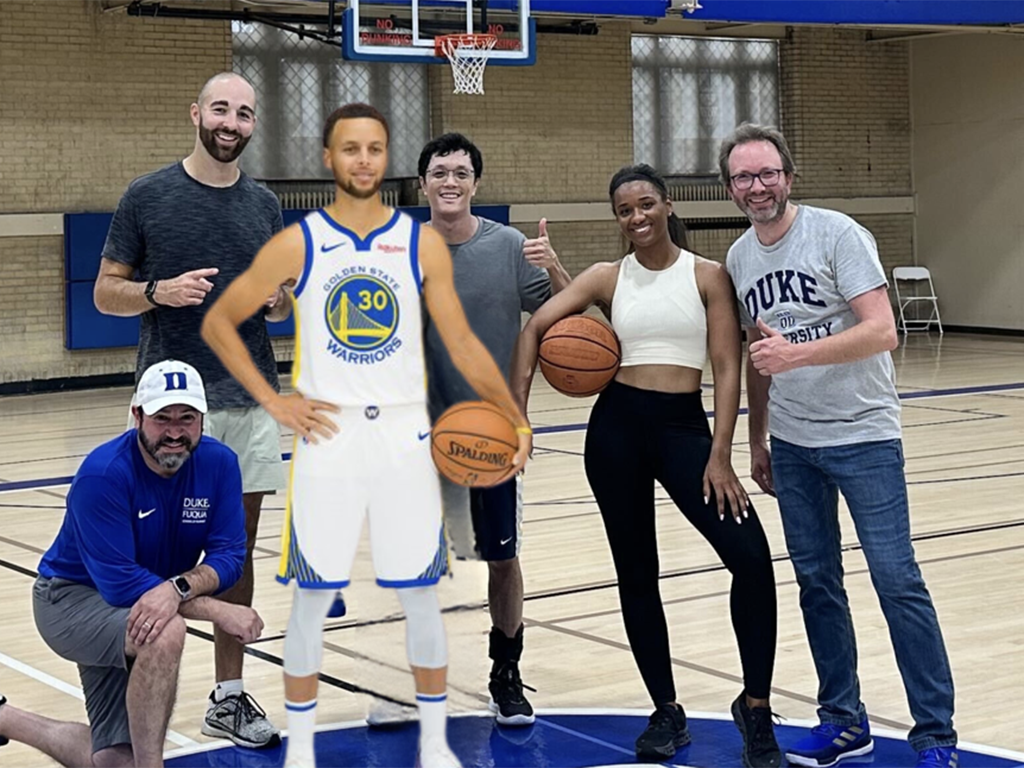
x=560 y=738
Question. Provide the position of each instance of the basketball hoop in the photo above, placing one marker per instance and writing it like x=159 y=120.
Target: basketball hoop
x=468 y=56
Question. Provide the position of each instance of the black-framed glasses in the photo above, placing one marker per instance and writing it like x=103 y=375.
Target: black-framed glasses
x=769 y=178
x=442 y=174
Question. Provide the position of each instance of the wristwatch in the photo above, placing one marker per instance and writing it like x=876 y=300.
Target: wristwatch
x=151 y=291
x=182 y=587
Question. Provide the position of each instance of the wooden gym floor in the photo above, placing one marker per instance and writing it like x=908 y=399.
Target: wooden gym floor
x=964 y=435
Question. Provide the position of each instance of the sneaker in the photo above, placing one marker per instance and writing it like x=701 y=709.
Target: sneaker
x=436 y=753
x=665 y=733
x=507 y=699
x=337 y=607
x=238 y=717
x=830 y=743
x=3 y=739
x=384 y=713
x=938 y=757
x=760 y=749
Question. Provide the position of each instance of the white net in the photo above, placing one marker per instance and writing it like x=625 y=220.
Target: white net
x=468 y=56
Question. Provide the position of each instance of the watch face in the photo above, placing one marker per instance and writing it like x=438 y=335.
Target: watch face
x=182 y=585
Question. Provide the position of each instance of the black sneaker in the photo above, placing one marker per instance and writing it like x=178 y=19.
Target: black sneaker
x=665 y=733
x=760 y=750
x=3 y=739
x=507 y=699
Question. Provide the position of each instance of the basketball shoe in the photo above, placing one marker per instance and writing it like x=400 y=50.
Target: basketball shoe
x=435 y=753
x=666 y=732
x=829 y=743
x=238 y=717
x=760 y=749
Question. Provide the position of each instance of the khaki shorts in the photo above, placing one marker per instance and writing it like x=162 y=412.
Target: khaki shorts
x=252 y=434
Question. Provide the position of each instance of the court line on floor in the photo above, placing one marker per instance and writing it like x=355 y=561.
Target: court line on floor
x=37 y=674
x=693 y=667
x=248 y=650
x=695 y=570
x=786 y=583
x=23 y=485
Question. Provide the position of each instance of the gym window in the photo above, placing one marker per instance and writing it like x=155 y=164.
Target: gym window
x=300 y=81
x=690 y=93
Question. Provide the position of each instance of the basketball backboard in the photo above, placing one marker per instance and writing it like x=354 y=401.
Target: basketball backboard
x=405 y=30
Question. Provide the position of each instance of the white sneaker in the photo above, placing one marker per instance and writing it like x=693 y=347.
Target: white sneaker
x=435 y=753
x=383 y=713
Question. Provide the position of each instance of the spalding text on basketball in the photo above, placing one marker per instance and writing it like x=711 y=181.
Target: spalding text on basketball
x=460 y=451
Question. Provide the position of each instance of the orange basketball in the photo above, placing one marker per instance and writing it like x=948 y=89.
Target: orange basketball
x=473 y=444
x=579 y=355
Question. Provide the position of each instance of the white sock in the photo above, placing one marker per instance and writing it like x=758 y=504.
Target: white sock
x=433 y=715
x=301 y=724
x=227 y=688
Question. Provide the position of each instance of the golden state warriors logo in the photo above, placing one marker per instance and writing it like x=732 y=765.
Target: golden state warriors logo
x=362 y=315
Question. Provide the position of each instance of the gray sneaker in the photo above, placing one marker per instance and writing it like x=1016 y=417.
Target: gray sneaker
x=238 y=717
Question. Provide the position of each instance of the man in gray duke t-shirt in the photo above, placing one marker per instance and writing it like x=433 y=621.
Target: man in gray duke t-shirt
x=820 y=380
x=498 y=274
x=180 y=235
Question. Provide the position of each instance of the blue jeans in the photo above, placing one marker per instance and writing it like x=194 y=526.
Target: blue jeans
x=870 y=477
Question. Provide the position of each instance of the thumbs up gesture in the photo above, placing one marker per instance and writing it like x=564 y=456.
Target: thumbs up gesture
x=772 y=353
x=538 y=251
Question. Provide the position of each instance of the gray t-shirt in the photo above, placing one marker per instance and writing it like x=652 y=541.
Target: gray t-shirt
x=495 y=284
x=801 y=286
x=168 y=223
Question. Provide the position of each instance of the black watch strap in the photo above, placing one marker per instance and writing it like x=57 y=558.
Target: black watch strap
x=151 y=291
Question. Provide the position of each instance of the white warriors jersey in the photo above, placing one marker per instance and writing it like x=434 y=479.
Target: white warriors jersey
x=358 y=323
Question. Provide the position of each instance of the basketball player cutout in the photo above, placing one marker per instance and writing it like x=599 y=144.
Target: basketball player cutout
x=361 y=273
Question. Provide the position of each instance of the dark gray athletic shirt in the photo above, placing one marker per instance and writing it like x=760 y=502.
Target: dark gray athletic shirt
x=495 y=285
x=168 y=223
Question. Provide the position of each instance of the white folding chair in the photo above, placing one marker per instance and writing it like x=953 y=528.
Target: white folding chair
x=916 y=276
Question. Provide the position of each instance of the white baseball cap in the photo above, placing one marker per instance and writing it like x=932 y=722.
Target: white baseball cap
x=170 y=382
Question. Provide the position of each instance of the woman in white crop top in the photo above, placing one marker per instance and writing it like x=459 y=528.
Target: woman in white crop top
x=670 y=309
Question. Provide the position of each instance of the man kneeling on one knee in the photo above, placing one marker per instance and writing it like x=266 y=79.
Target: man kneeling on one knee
x=117 y=584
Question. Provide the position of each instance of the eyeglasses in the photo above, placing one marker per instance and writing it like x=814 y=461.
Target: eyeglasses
x=769 y=178
x=440 y=174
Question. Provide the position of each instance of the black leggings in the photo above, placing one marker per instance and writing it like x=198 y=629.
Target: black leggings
x=635 y=437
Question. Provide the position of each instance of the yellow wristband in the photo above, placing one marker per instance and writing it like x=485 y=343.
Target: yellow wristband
x=524 y=430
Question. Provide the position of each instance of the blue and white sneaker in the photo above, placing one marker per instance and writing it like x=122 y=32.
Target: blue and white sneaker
x=830 y=743
x=938 y=757
x=337 y=607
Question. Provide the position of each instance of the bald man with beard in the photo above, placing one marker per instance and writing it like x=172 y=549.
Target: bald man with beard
x=179 y=236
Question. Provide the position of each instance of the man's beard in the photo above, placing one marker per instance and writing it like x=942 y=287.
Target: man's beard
x=358 y=193
x=768 y=215
x=169 y=461
x=217 y=152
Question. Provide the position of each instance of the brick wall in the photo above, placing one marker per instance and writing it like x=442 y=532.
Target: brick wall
x=88 y=101
x=77 y=128
x=846 y=112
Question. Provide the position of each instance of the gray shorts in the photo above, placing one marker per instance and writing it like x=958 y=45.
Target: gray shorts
x=254 y=436
x=81 y=627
